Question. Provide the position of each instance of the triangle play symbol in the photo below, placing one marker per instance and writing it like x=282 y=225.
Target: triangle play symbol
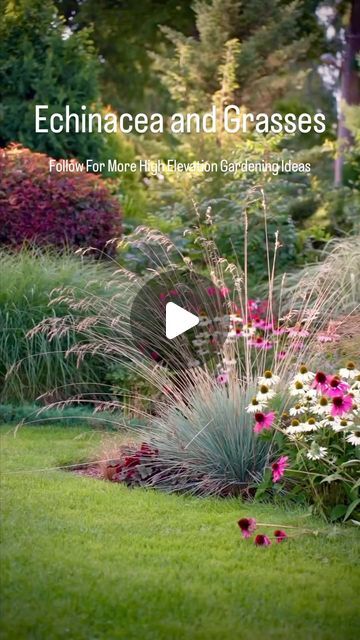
x=178 y=320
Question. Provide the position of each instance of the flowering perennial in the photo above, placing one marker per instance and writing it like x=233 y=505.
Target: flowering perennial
x=248 y=527
x=319 y=426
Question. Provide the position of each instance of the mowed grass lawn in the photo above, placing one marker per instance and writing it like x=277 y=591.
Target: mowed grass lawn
x=89 y=560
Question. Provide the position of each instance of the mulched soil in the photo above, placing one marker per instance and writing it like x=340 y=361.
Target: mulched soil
x=92 y=471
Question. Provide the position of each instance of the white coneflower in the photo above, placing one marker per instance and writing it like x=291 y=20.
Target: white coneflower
x=269 y=378
x=295 y=427
x=230 y=363
x=355 y=393
x=309 y=396
x=297 y=409
x=356 y=409
x=231 y=335
x=354 y=438
x=304 y=375
x=265 y=393
x=297 y=388
x=291 y=431
x=310 y=425
x=316 y=452
x=322 y=407
x=255 y=406
x=349 y=372
x=248 y=331
x=328 y=421
x=356 y=384
x=342 y=425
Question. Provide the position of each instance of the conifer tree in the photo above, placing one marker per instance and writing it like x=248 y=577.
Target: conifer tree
x=275 y=46
x=42 y=62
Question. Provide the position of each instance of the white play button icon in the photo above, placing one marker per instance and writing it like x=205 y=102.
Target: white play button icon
x=178 y=320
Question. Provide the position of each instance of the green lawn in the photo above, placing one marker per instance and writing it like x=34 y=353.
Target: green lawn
x=84 y=559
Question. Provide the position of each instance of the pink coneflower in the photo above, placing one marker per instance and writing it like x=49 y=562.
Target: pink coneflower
x=222 y=378
x=297 y=332
x=224 y=291
x=211 y=291
x=336 y=386
x=280 y=535
x=324 y=338
x=341 y=405
x=278 y=468
x=298 y=346
x=320 y=381
x=260 y=343
x=280 y=331
x=263 y=421
x=258 y=322
x=281 y=355
x=247 y=526
x=262 y=540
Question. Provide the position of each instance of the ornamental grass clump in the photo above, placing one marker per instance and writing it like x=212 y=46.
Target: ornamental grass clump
x=34 y=363
x=206 y=438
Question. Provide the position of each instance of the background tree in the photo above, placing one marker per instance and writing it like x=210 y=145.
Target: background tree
x=43 y=62
x=279 y=43
x=124 y=32
x=350 y=83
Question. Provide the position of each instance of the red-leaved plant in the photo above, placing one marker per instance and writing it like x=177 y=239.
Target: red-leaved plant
x=75 y=209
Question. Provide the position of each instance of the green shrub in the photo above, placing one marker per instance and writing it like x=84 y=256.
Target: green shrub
x=33 y=414
x=43 y=62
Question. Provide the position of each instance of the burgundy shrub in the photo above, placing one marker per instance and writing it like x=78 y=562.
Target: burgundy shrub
x=53 y=209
